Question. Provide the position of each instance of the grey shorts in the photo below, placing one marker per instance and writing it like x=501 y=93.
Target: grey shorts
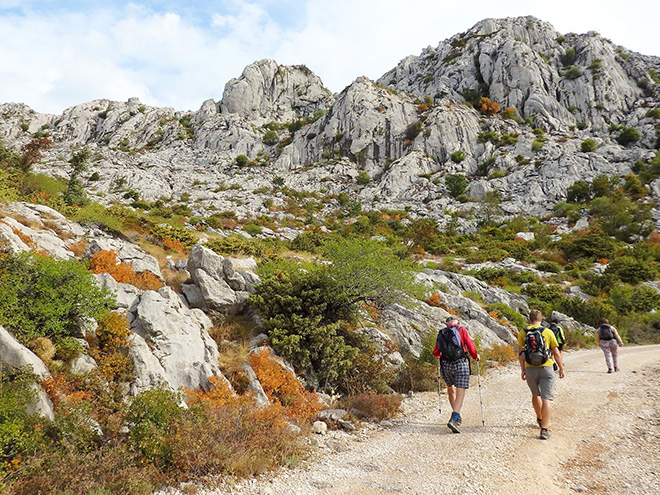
x=541 y=381
x=456 y=373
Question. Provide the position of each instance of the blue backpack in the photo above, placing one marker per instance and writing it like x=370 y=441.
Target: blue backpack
x=450 y=344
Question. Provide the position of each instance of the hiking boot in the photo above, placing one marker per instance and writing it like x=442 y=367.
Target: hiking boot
x=454 y=423
x=545 y=434
x=609 y=370
x=616 y=369
x=459 y=420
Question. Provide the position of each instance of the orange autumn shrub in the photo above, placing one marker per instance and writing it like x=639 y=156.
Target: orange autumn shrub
x=174 y=245
x=487 y=107
x=282 y=387
x=434 y=300
x=219 y=394
x=105 y=261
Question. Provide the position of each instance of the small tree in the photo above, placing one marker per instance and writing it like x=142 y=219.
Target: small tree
x=362 y=178
x=270 y=138
x=456 y=184
x=457 y=156
x=628 y=136
x=241 y=160
x=579 y=192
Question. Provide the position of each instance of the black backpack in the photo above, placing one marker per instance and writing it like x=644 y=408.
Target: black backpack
x=535 y=350
x=605 y=332
x=450 y=344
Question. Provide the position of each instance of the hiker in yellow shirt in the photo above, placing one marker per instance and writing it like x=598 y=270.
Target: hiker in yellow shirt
x=537 y=346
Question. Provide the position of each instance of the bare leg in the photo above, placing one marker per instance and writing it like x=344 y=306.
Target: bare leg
x=546 y=411
x=538 y=406
x=458 y=401
x=451 y=395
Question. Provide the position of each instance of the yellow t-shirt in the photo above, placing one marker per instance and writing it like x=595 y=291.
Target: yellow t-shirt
x=550 y=341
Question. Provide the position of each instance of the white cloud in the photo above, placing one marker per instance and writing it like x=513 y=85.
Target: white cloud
x=55 y=60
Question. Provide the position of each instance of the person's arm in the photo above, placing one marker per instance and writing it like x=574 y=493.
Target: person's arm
x=618 y=338
x=467 y=342
x=521 y=360
x=558 y=359
x=436 y=350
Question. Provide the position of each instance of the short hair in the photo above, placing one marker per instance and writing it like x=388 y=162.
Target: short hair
x=535 y=315
x=450 y=319
x=604 y=321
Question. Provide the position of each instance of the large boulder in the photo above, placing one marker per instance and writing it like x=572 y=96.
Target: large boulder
x=171 y=345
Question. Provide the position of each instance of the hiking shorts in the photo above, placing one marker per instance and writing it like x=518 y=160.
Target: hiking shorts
x=456 y=373
x=541 y=381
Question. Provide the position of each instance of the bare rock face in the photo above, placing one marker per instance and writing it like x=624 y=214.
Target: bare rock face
x=267 y=91
x=524 y=63
x=217 y=285
x=172 y=346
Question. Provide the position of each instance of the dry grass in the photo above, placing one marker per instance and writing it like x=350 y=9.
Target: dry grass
x=231 y=359
x=174 y=279
x=502 y=354
x=372 y=406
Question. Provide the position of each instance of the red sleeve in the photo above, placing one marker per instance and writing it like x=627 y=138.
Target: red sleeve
x=436 y=351
x=467 y=342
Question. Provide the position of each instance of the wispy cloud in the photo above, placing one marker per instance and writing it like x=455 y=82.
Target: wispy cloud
x=60 y=53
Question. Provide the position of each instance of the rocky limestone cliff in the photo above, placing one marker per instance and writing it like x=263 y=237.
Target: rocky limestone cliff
x=402 y=131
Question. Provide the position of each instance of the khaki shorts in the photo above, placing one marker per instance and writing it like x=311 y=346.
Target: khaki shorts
x=541 y=381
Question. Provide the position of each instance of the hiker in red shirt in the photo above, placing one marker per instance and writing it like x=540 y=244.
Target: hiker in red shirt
x=451 y=348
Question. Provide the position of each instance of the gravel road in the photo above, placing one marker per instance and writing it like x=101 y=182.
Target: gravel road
x=605 y=439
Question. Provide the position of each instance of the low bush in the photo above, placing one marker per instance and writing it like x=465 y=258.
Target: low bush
x=457 y=156
x=105 y=261
x=628 y=136
x=502 y=354
x=588 y=146
x=372 y=406
x=282 y=387
x=42 y=296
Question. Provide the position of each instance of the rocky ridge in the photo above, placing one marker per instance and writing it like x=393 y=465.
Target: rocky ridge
x=401 y=130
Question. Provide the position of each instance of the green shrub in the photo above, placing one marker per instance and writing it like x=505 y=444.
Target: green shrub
x=543 y=292
x=362 y=178
x=153 y=414
x=595 y=65
x=588 y=146
x=181 y=234
x=640 y=299
x=19 y=434
x=413 y=130
x=572 y=72
x=95 y=214
x=593 y=246
x=537 y=145
x=628 y=136
x=549 y=266
x=242 y=160
x=509 y=313
x=579 y=192
x=68 y=349
x=568 y=57
x=252 y=228
x=457 y=156
x=235 y=244
x=42 y=296
x=308 y=241
x=270 y=138
x=456 y=184
x=631 y=270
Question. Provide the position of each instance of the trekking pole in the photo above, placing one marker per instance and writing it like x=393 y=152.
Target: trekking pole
x=481 y=401
x=439 y=390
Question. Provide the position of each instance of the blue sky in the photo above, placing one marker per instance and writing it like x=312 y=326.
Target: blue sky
x=56 y=54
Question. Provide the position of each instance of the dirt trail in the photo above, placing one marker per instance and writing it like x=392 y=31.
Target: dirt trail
x=605 y=438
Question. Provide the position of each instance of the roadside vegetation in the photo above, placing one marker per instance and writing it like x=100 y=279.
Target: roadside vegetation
x=319 y=295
